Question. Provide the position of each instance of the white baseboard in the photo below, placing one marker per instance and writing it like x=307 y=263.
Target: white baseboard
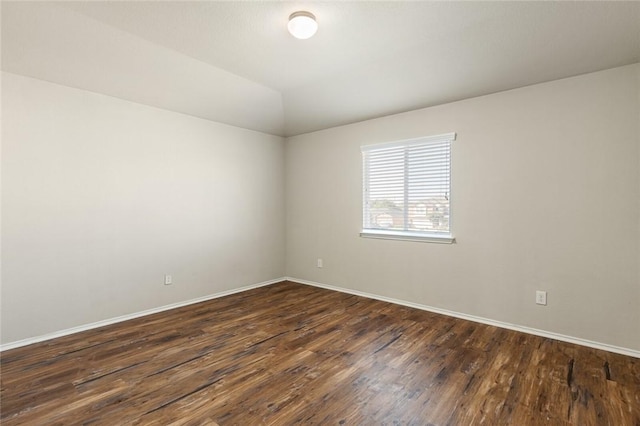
x=110 y=321
x=523 y=329
x=529 y=330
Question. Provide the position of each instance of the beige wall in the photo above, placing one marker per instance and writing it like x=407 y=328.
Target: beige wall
x=545 y=195
x=101 y=197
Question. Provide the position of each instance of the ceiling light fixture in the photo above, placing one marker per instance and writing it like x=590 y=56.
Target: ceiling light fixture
x=302 y=25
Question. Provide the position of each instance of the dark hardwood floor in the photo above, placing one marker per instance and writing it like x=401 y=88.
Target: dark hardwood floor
x=290 y=353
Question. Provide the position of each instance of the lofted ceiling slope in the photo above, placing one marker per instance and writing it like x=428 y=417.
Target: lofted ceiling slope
x=235 y=63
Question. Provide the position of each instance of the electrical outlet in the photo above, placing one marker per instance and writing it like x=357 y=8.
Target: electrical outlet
x=541 y=297
x=168 y=280
x=320 y=263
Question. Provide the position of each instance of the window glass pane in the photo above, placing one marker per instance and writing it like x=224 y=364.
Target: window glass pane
x=407 y=186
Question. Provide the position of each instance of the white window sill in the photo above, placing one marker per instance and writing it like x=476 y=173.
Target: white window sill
x=408 y=236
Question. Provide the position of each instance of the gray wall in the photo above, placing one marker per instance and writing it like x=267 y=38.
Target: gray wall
x=101 y=197
x=545 y=195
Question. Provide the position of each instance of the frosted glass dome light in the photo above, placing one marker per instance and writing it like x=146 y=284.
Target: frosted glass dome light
x=302 y=25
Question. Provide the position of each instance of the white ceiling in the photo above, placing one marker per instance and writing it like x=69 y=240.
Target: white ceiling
x=234 y=62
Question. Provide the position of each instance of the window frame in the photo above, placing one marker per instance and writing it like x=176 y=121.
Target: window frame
x=407 y=235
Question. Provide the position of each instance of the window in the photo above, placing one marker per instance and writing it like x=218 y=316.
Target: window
x=407 y=189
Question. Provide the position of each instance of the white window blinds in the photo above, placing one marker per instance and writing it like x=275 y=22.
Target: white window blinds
x=407 y=189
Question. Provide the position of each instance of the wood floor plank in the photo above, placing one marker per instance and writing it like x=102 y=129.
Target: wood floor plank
x=294 y=354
